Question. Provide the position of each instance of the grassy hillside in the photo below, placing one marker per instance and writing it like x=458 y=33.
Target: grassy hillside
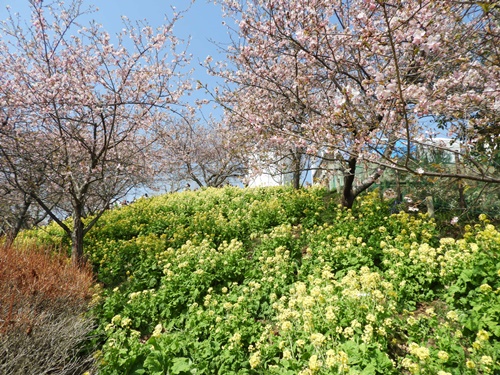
x=273 y=281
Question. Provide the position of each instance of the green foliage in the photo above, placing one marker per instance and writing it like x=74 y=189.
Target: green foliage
x=266 y=281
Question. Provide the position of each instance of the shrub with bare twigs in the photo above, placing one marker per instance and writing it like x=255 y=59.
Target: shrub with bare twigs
x=43 y=300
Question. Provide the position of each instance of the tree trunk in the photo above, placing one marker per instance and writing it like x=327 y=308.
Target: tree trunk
x=350 y=191
x=77 y=238
x=348 y=195
x=296 y=168
x=462 y=203
x=430 y=206
x=348 y=198
x=399 y=195
x=296 y=175
x=21 y=220
x=461 y=191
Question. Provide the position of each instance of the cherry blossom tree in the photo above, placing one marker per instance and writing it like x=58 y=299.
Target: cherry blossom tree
x=79 y=107
x=285 y=163
x=18 y=211
x=14 y=209
x=353 y=79
x=267 y=153
x=200 y=154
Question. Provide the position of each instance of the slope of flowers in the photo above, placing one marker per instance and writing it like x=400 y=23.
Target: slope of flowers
x=272 y=281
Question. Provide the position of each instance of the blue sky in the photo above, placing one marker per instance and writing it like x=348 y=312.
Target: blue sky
x=202 y=23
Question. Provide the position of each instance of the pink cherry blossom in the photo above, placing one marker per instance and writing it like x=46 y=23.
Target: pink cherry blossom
x=357 y=76
x=79 y=108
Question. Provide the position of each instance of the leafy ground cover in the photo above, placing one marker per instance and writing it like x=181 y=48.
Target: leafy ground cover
x=275 y=281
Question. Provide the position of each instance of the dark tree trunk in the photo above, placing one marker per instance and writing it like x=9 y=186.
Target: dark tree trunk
x=296 y=180
x=399 y=194
x=461 y=196
x=20 y=222
x=77 y=238
x=348 y=194
x=350 y=191
x=296 y=168
x=462 y=203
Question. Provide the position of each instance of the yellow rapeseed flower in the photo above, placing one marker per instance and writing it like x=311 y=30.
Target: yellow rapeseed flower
x=443 y=356
x=419 y=351
x=287 y=354
x=126 y=322
x=371 y=318
x=486 y=360
x=158 y=330
x=483 y=335
x=317 y=339
x=330 y=358
x=255 y=359
x=452 y=315
x=314 y=363
x=300 y=343
x=470 y=364
x=116 y=319
x=485 y=288
x=411 y=320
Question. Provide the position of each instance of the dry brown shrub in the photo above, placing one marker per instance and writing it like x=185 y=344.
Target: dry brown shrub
x=43 y=298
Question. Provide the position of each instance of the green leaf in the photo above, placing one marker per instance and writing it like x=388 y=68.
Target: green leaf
x=466 y=275
x=152 y=363
x=180 y=365
x=369 y=370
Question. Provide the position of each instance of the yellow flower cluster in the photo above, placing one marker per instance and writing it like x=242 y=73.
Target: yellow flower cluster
x=317 y=339
x=412 y=367
x=255 y=359
x=443 y=356
x=303 y=316
x=235 y=340
x=421 y=352
x=338 y=359
x=157 y=330
x=196 y=258
x=367 y=284
x=334 y=246
x=144 y=293
x=452 y=315
x=483 y=335
x=444 y=260
x=117 y=321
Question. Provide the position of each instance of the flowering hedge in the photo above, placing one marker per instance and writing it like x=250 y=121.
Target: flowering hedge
x=273 y=281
